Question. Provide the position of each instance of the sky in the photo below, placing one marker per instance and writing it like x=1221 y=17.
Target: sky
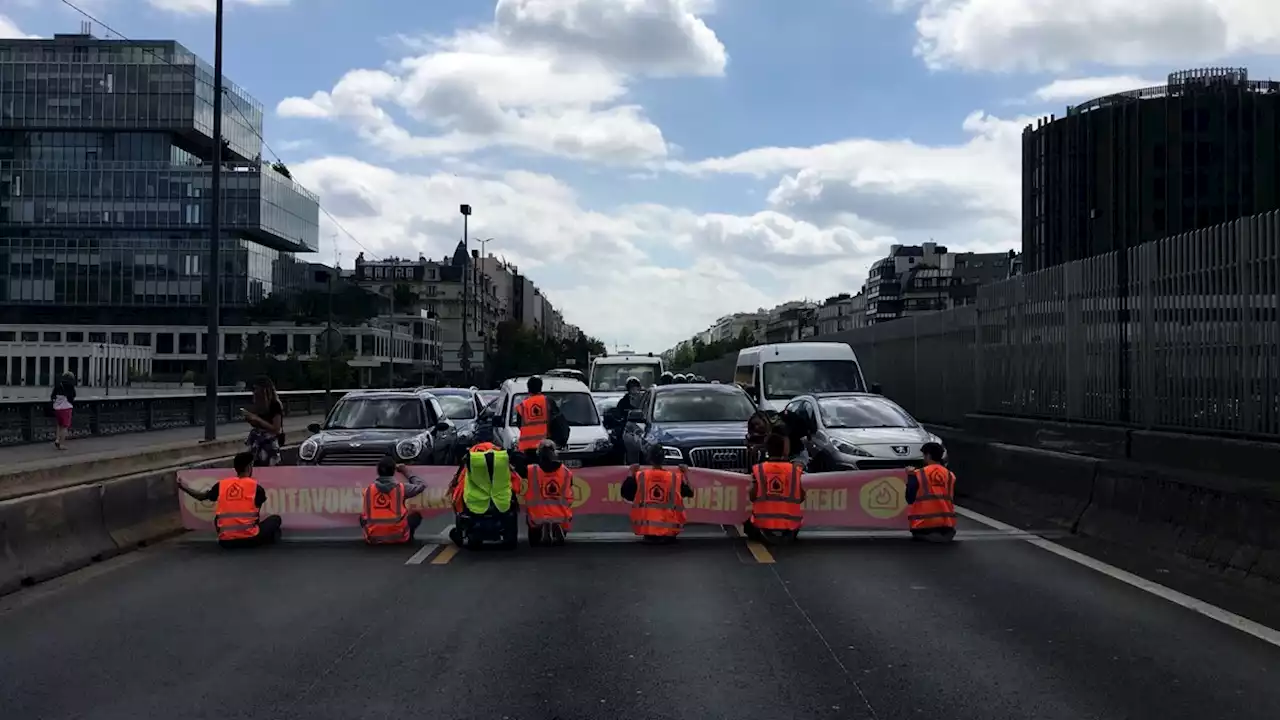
x=655 y=164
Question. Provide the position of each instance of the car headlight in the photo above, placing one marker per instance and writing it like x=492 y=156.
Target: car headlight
x=672 y=453
x=308 y=450
x=408 y=449
x=853 y=450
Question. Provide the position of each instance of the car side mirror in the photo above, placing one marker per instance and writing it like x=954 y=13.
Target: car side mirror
x=875 y=388
x=313 y=428
x=443 y=425
x=635 y=416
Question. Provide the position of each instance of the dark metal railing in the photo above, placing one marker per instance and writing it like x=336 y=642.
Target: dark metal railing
x=30 y=421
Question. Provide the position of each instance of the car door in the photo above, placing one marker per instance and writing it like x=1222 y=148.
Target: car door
x=444 y=435
x=504 y=435
x=486 y=420
x=633 y=432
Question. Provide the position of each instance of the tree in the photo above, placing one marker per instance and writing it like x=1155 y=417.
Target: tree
x=282 y=169
x=405 y=298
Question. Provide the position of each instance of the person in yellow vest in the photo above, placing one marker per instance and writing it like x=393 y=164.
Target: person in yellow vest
x=384 y=517
x=777 y=495
x=485 y=500
x=238 y=506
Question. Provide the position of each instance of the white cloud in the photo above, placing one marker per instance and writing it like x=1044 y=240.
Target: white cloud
x=1055 y=35
x=602 y=269
x=1087 y=88
x=9 y=30
x=897 y=187
x=544 y=77
x=205 y=7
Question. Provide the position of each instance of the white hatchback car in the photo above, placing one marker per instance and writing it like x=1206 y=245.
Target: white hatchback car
x=589 y=442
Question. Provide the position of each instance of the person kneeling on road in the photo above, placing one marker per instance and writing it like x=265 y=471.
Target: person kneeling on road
x=549 y=498
x=384 y=517
x=657 y=497
x=777 y=496
x=239 y=502
x=931 y=495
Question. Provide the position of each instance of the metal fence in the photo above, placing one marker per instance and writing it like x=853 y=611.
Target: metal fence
x=1179 y=334
x=27 y=421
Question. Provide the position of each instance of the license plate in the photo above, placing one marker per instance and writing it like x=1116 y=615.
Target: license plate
x=573 y=464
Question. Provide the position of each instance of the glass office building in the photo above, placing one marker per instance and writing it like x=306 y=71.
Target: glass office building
x=105 y=157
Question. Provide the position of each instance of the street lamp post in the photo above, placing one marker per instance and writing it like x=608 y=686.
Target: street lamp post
x=464 y=353
x=215 y=240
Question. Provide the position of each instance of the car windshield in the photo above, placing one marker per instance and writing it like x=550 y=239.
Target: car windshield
x=489 y=396
x=457 y=407
x=785 y=380
x=389 y=413
x=578 y=408
x=701 y=406
x=863 y=412
x=611 y=378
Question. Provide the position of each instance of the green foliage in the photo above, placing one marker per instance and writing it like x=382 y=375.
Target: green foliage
x=696 y=351
x=406 y=300
x=518 y=350
x=352 y=305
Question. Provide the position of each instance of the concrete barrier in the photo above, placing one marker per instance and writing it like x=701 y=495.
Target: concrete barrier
x=49 y=534
x=52 y=534
x=1098 y=441
x=1225 y=513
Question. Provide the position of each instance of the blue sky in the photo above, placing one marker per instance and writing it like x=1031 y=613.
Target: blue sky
x=655 y=164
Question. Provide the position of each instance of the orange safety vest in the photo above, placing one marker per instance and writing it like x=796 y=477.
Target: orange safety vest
x=779 y=503
x=658 y=509
x=236 y=515
x=550 y=500
x=384 y=515
x=935 y=505
x=533 y=412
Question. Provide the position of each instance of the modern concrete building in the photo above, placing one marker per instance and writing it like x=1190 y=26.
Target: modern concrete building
x=105 y=157
x=915 y=279
x=1150 y=163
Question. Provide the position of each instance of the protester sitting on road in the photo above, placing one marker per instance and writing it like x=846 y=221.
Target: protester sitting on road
x=383 y=515
x=63 y=398
x=777 y=494
x=548 y=497
x=931 y=494
x=239 y=505
x=657 y=497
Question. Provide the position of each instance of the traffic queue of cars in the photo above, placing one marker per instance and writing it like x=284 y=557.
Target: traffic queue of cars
x=817 y=388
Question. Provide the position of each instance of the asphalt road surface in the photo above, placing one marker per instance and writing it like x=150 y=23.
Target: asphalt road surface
x=610 y=630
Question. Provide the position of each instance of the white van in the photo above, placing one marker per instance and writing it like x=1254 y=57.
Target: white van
x=777 y=373
x=609 y=373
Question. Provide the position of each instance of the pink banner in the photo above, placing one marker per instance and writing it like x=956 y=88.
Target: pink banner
x=318 y=498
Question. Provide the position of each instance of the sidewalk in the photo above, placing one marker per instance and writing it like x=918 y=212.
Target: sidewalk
x=95 y=447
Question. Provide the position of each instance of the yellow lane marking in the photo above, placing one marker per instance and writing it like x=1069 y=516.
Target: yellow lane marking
x=760 y=552
x=445 y=555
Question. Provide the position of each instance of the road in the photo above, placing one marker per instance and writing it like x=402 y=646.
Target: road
x=849 y=629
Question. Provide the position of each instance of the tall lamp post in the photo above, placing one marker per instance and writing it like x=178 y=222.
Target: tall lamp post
x=464 y=354
x=215 y=239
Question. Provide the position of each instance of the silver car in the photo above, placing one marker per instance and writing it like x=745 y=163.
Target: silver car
x=859 y=431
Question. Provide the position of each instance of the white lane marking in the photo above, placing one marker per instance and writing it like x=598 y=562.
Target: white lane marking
x=961 y=536
x=423 y=553
x=1213 y=612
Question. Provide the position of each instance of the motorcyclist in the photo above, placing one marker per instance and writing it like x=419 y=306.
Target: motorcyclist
x=630 y=401
x=667 y=378
x=681 y=378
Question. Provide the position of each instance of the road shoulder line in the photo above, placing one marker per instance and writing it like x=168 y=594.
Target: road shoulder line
x=1213 y=612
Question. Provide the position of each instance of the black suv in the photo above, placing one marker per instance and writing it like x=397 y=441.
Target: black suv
x=366 y=426
x=700 y=425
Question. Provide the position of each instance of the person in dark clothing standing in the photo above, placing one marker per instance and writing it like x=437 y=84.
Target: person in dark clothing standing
x=630 y=401
x=237 y=518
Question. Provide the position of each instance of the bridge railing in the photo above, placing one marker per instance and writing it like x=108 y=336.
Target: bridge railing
x=28 y=421
x=1179 y=334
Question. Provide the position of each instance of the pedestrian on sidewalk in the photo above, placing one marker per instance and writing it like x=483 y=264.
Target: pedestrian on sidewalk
x=63 y=398
x=266 y=423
